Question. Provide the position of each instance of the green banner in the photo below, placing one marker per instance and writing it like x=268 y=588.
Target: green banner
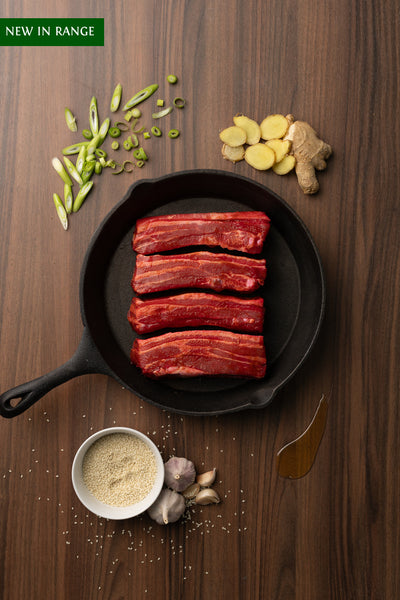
x=51 y=32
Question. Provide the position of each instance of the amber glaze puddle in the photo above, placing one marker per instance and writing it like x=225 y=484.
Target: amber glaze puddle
x=296 y=458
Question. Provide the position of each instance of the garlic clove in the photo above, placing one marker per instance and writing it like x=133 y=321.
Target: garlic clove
x=191 y=491
x=207 y=496
x=168 y=507
x=179 y=473
x=207 y=479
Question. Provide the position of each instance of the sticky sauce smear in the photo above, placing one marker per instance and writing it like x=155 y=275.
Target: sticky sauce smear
x=296 y=458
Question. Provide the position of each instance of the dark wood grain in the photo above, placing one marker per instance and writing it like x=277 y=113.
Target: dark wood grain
x=335 y=532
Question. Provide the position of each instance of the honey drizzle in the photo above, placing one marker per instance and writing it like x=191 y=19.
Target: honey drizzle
x=296 y=458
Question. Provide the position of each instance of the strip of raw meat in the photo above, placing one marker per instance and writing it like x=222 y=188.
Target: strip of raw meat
x=242 y=231
x=197 y=310
x=218 y=272
x=194 y=353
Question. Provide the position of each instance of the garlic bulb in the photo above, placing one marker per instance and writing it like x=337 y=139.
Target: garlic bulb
x=168 y=507
x=179 y=473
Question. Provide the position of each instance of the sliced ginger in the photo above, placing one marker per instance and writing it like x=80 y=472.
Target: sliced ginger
x=274 y=127
x=280 y=147
x=233 y=154
x=260 y=156
x=285 y=165
x=233 y=136
x=252 y=128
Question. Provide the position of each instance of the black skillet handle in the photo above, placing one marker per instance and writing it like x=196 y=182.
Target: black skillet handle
x=85 y=360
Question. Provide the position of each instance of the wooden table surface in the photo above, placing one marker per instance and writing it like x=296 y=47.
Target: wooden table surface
x=331 y=534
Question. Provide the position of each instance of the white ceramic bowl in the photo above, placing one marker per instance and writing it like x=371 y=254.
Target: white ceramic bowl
x=105 y=510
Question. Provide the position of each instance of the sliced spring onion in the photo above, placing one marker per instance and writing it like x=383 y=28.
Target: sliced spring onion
x=104 y=128
x=72 y=170
x=111 y=163
x=68 y=198
x=172 y=78
x=121 y=170
x=102 y=161
x=99 y=152
x=62 y=213
x=140 y=96
x=128 y=162
x=116 y=98
x=91 y=147
x=162 y=113
x=128 y=145
x=74 y=149
x=146 y=135
x=88 y=171
x=98 y=168
x=128 y=115
x=179 y=102
x=140 y=163
x=138 y=130
x=93 y=116
x=140 y=154
x=156 y=131
x=115 y=145
x=114 y=132
x=81 y=195
x=59 y=167
x=136 y=113
x=87 y=134
x=80 y=161
x=122 y=126
x=160 y=102
x=70 y=120
x=135 y=140
x=173 y=133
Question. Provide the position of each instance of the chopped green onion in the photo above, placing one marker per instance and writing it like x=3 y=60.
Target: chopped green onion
x=72 y=170
x=115 y=145
x=179 y=102
x=122 y=126
x=160 y=102
x=172 y=79
x=136 y=113
x=140 y=163
x=87 y=134
x=102 y=161
x=74 y=149
x=173 y=133
x=99 y=152
x=120 y=171
x=128 y=115
x=156 y=131
x=58 y=166
x=140 y=96
x=135 y=140
x=104 y=130
x=114 y=132
x=98 y=168
x=70 y=119
x=68 y=198
x=138 y=130
x=93 y=116
x=162 y=113
x=62 y=213
x=111 y=163
x=81 y=195
x=88 y=170
x=140 y=154
x=91 y=147
x=146 y=135
x=80 y=161
x=116 y=98
x=128 y=145
x=128 y=162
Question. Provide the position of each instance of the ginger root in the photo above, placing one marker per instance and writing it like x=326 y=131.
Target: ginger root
x=310 y=153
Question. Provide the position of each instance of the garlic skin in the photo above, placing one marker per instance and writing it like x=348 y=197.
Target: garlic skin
x=191 y=491
x=207 y=479
x=179 y=473
x=168 y=508
x=207 y=496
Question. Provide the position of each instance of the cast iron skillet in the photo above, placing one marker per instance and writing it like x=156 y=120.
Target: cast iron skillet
x=294 y=295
